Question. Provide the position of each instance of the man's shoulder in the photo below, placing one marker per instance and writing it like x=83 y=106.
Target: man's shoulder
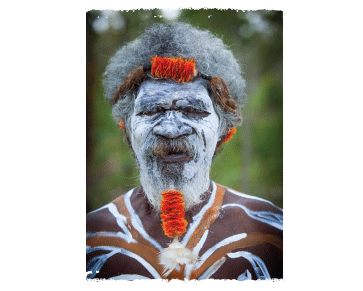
x=106 y=217
x=253 y=203
x=101 y=219
x=250 y=210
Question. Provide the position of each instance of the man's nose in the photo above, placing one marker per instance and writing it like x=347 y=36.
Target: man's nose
x=172 y=127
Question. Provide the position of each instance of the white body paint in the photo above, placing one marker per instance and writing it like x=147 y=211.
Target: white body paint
x=200 y=244
x=136 y=222
x=111 y=234
x=198 y=217
x=121 y=222
x=212 y=269
x=96 y=263
x=202 y=134
x=268 y=217
x=258 y=265
x=253 y=197
x=222 y=243
x=129 y=277
x=245 y=276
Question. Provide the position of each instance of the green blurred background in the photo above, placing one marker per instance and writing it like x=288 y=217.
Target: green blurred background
x=252 y=162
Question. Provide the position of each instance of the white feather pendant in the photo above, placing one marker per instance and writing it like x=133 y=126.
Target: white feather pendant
x=173 y=256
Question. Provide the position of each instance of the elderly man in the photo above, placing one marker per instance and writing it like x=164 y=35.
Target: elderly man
x=176 y=91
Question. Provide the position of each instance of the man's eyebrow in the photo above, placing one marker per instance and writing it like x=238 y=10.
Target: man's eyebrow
x=197 y=106
x=150 y=106
x=177 y=104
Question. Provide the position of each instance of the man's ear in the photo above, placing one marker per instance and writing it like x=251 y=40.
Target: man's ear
x=227 y=137
x=220 y=141
x=122 y=126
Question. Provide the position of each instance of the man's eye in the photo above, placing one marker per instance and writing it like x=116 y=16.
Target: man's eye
x=191 y=110
x=187 y=111
x=150 y=113
x=195 y=112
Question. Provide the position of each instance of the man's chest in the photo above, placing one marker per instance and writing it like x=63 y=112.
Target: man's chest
x=229 y=245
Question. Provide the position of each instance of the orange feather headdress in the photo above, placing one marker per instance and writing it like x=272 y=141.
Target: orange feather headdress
x=178 y=69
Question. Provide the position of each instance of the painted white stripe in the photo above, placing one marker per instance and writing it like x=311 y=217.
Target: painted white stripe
x=189 y=267
x=136 y=222
x=212 y=269
x=119 y=234
x=271 y=218
x=222 y=243
x=188 y=270
x=198 y=217
x=258 y=265
x=252 y=197
x=105 y=206
x=96 y=263
x=200 y=244
x=245 y=276
x=129 y=277
x=100 y=260
x=121 y=221
x=100 y=248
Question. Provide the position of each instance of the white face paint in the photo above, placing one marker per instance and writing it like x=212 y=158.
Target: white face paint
x=174 y=132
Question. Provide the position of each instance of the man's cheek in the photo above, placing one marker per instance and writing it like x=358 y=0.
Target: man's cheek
x=138 y=142
x=207 y=132
x=140 y=131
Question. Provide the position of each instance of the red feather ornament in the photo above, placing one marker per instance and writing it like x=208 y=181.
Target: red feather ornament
x=178 y=69
x=174 y=225
x=173 y=214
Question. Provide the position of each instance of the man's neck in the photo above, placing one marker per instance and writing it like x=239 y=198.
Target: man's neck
x=142 y=197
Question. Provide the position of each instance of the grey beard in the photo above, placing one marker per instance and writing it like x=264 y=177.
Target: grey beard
x=193 y=188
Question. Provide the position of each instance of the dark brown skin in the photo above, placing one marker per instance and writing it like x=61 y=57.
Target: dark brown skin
x=262 y=240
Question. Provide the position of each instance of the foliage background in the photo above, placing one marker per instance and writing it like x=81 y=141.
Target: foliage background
x=252 y=162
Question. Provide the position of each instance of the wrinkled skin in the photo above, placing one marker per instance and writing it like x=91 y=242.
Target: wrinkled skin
x=174 y=132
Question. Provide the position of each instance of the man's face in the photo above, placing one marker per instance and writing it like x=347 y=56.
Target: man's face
x=174 y=132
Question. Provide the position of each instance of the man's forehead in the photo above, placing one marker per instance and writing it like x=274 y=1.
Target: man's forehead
x=161 y=91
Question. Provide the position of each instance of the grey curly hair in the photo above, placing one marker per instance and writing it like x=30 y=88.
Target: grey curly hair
x=176 y=40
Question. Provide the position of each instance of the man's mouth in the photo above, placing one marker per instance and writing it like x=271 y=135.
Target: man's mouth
x=173 y=151
x=175 y=158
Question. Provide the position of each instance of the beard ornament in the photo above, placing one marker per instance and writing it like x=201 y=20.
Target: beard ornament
x=174 y=225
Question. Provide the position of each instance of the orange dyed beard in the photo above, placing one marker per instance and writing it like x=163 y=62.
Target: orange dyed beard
x=172 y=206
